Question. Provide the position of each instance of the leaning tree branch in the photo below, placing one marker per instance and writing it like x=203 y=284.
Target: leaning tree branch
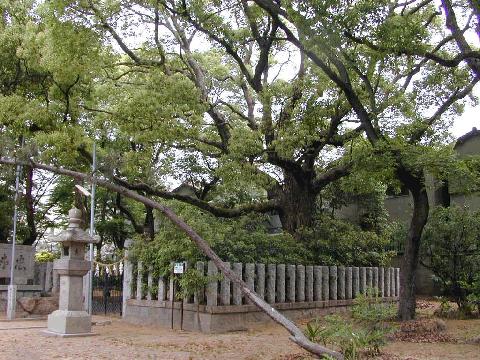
x=218 y=211
x=331 y=175
x=297 y=335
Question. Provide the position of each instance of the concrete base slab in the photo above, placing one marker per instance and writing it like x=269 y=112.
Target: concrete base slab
x=55 y=334
x=69 y=322
x=11 y=302
x=31 y=318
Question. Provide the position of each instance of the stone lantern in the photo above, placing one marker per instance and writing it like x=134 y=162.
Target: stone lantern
x=70 y=319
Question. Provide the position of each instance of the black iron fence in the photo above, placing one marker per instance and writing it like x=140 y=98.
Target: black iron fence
x=107 y=293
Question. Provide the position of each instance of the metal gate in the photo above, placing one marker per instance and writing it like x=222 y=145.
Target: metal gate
x=107 y=293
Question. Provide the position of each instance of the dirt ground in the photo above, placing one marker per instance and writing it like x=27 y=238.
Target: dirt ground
x=119 y=340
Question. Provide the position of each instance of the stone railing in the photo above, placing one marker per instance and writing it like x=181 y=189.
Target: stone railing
x=297 y=291
x=275 y=283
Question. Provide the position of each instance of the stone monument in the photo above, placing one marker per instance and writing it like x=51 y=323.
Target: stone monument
x=71 y=319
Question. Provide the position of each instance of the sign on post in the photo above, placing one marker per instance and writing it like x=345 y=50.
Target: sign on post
x=179 y=268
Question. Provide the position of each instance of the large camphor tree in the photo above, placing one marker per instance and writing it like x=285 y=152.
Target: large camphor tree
x=417 y=67
x=243 y=98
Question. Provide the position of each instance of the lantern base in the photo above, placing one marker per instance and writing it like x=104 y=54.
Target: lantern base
x=54 y=334
x=69 y=323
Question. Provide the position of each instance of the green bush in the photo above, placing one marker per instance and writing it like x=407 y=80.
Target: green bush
x=473 y=297
x=332 y=241
x=236 y=240
x=365 y=332
x=451 y=249
x=46 y=256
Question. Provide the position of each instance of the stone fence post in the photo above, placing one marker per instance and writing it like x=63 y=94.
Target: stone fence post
x=199 y=297
x=325 y=283
x=260 y=281
x=237 y=293
x=341 y=282
x=317 y=283
x=333 y=282
x=309 y=283
x=300 y=284
x=280 y=283
x=212 y=287
x=348 y=283
x=127 y=276
x=225 y=288
x=139 y=280
x=49 y=277
x=271 y=282
x=250 y=278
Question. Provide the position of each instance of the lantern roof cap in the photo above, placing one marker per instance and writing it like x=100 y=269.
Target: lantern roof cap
x=74 y=233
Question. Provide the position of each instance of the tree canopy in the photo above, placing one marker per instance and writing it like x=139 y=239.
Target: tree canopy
x=259 y=106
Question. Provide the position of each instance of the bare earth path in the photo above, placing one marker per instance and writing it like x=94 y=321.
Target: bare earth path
x=118 y=340
x=125 y=341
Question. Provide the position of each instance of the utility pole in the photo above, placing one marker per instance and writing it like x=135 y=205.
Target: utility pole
x=92 y=231
x=12 y=288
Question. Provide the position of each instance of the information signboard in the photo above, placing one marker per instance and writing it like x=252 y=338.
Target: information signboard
x=178 y=268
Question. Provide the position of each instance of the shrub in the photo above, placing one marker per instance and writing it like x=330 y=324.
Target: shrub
x=333 y=241
x=46 y=256
x=366 y=331
x=451 y=249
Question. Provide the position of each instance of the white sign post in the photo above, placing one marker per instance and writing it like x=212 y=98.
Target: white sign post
x=179 y=268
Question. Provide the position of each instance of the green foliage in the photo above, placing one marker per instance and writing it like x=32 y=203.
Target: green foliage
x=46 y=256
x=235 y=240
x=474 y=297
x=333 y=241
x=192 y=281
x=370 y=310
x=6 y=208
x=365 y=332
x=451 y=244
x=330 y=241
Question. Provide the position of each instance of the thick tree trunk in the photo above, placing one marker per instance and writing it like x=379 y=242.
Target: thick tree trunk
x=30 y=208
x=416 y=185
x=149 y=225
x=297 y=204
